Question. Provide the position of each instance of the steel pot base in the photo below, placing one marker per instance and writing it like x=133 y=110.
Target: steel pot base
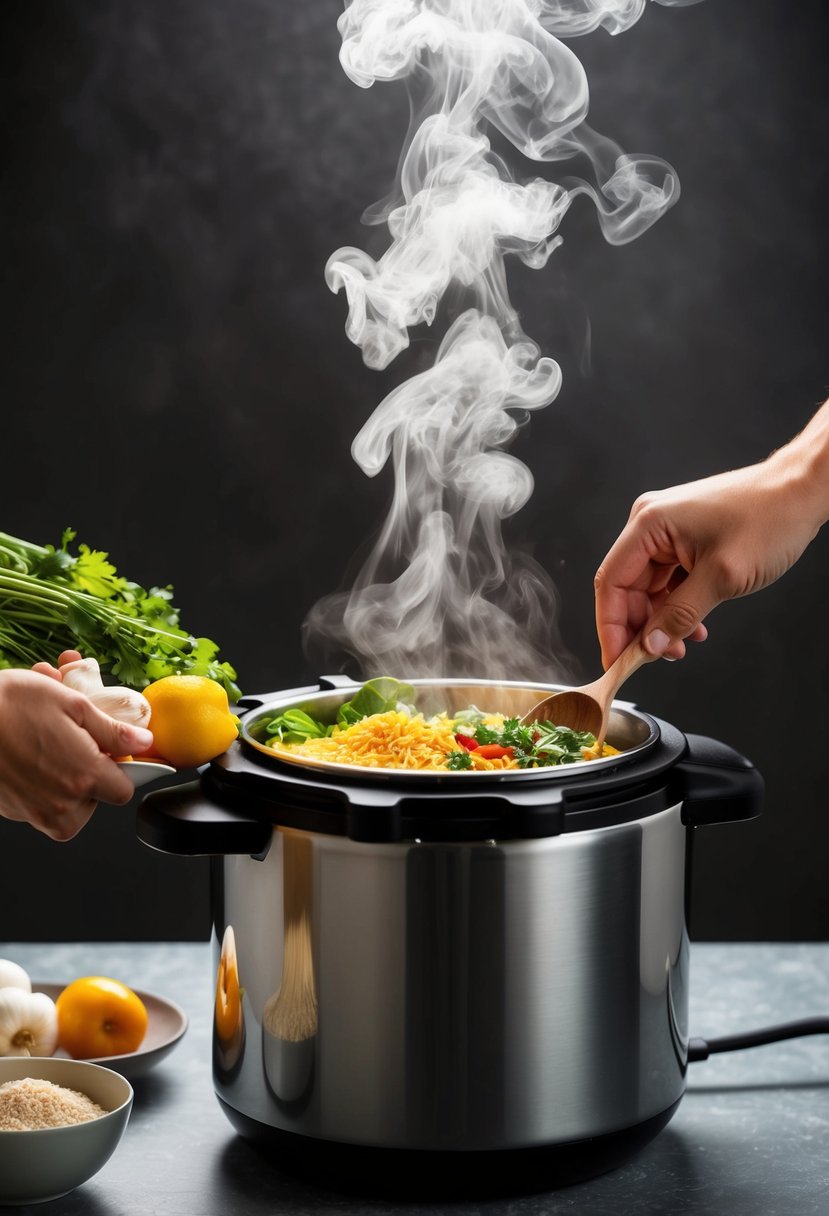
x=400 y=1174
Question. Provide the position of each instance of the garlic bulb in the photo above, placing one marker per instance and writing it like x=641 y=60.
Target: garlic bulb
x=28 y=1023
x=84 y=675
x=125 y=704
x=12 y=975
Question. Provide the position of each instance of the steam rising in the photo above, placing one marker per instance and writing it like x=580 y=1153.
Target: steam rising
x=440 y=594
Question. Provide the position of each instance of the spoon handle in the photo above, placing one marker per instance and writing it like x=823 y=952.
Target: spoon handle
x=631 y=659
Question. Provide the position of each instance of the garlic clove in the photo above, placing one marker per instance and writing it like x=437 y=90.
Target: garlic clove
x=28 y=1023
x=12 y=975
x=125 y=704
x=84 y=675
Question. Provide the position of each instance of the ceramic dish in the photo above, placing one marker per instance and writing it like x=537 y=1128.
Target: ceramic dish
x=140 y=772
x=166 y=1023
x=49 y=1162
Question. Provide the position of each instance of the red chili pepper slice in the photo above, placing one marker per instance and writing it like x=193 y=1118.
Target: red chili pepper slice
x=466 y=742
x=494 y=751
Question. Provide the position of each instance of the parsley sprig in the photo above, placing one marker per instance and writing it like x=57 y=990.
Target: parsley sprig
x=459 y=760
x=52 y=600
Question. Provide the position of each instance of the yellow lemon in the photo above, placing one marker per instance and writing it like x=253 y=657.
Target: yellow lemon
x=191 y=720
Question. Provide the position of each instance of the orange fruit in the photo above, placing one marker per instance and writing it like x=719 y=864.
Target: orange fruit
x=191 y=720
x=98 y=1016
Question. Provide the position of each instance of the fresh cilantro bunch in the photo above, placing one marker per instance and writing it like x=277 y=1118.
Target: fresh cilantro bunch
x=52 y=600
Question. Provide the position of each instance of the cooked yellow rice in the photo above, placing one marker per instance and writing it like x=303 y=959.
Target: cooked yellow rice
x=398 y=740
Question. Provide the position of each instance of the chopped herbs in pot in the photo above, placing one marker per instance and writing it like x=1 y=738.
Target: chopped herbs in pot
x=459 y=760
x=539 y=745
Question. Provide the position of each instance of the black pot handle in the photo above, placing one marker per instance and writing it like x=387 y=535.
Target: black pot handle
x=180 y=820
x=716 y=784
x=256 y=699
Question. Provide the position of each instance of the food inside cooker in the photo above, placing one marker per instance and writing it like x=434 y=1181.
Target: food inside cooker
x=381 y=728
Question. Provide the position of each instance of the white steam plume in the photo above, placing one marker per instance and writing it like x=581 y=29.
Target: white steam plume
x=440 y=594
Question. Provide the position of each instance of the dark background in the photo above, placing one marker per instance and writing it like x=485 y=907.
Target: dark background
x=177 y=386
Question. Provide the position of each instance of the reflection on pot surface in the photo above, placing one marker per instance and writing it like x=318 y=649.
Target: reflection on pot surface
x=289 y=1020
x=228 y=1015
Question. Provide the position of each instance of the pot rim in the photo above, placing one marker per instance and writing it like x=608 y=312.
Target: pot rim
x=629 y=729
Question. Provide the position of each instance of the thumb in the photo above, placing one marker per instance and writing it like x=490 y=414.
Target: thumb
x=682 y=613
x=113 y=737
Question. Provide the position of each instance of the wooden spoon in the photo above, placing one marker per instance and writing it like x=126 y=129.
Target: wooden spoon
x=588 y=707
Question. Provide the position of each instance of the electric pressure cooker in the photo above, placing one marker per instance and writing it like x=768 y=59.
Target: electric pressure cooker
x=476 y=970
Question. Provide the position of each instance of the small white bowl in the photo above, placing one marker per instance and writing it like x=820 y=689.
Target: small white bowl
x=51 y=1161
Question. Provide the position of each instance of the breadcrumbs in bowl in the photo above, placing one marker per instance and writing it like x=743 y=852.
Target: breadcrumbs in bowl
x=60 y=1122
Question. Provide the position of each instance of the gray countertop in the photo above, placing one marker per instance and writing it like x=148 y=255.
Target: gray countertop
x=751 y=1135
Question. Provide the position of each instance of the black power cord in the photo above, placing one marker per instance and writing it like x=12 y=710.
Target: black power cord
x=701 y=1049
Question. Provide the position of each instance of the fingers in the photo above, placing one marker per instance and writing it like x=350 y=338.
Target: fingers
x=622 y=613
x=46 y=669
x=55 y=749
x=652 y=582
x=681 y=614
x=111 y=784
x=114 y=738
x=627 y=589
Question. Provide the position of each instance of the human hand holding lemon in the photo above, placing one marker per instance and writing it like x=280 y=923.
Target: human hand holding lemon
x=191 y=720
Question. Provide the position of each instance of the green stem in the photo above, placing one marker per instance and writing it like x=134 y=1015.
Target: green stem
x=18 y=562
x=21 y=584
x=13 y=614
x=23 y=546
x=34 y=590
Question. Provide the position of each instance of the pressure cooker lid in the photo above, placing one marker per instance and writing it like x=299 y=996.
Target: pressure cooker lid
x=393 y=804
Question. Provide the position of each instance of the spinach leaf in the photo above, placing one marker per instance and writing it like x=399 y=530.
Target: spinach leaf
x=377 y=696
x=295 y=726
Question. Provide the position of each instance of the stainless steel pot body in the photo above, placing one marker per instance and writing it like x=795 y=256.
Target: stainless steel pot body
x=457 y=996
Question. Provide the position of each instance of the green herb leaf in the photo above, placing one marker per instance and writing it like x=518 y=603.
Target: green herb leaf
x=377 y=696
x=458 y=760
x=485 y=734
